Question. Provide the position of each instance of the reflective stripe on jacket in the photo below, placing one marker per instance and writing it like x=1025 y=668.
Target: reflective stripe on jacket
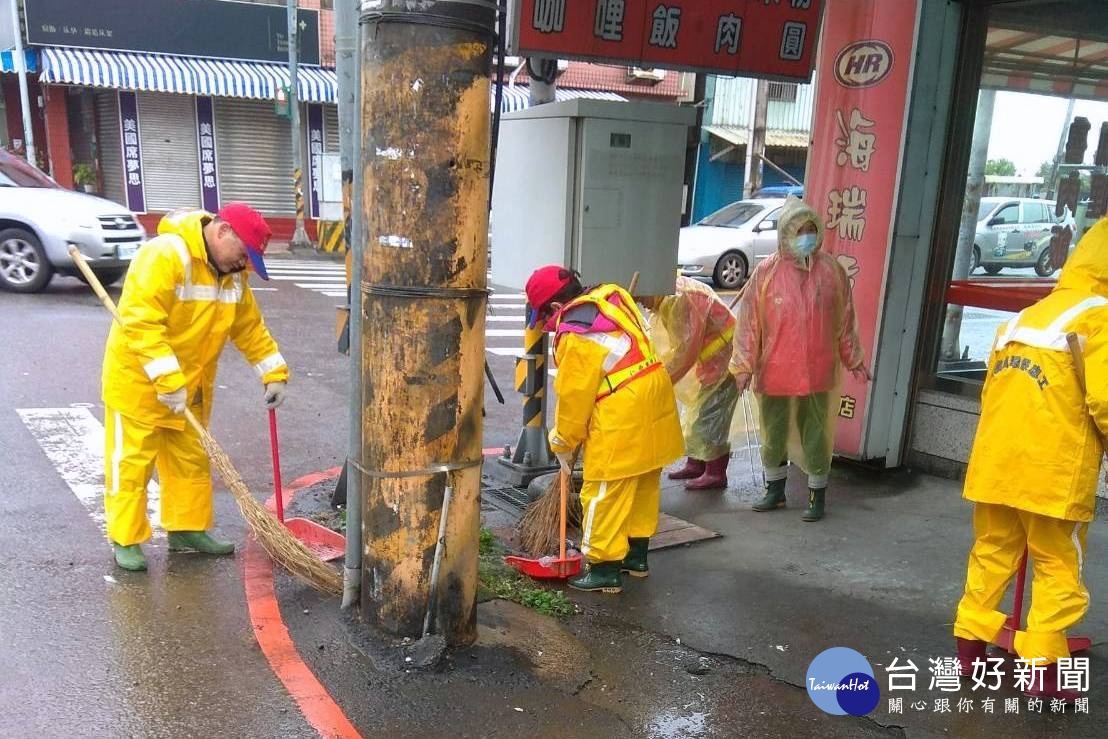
x=177 y=313
x=1036 y=447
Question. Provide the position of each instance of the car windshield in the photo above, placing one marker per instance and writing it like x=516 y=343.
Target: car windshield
x=17 y=173
x=733 y=216
x=984 y=209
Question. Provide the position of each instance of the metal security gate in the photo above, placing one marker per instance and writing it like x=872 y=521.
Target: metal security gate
x=255 y=161
x=170 y=162
x=331 y=128
x=111 y=147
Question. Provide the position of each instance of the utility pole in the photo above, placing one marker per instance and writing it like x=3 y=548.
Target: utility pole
x=544 y=80
x=424 y=161
x=346 y=48
x=756 y=146
x=20 y=62
x=299 y=236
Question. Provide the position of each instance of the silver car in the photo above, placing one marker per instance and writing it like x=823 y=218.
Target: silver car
x=39 y=220
x=727 y=245
x=1014 y=232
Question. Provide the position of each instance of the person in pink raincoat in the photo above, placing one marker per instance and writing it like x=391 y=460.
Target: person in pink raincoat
x=795 y=329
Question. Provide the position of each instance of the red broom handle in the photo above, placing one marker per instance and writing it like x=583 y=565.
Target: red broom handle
x=276 y=465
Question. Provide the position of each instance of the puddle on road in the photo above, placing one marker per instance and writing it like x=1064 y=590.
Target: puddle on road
x=670 y=725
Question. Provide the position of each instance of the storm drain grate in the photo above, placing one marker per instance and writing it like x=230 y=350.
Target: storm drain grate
x=510 y=495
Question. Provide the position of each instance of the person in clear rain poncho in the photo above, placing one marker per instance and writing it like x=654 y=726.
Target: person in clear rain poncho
x=795 y=328
x=693 y=331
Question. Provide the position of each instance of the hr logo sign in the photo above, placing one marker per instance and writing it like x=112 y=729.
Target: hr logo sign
x=863 y=63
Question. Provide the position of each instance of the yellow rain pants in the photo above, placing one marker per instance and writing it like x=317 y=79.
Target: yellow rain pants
x=615 y=510
x=132 y=449
x=1059 y=600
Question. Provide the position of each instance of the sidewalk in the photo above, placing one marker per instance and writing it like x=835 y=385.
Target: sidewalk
x=718 y=640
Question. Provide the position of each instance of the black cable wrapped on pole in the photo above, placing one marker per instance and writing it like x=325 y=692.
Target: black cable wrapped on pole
x=424 y=157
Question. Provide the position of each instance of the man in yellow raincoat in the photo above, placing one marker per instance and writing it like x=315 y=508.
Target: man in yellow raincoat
x=614 y=398
x=1033 y=470
x=796 y=330
x=695 y=328
x=185 y=294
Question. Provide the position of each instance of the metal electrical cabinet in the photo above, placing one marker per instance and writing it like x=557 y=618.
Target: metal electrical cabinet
x=592 y=184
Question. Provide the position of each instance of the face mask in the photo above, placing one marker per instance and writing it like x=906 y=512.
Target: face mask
x=805 y=244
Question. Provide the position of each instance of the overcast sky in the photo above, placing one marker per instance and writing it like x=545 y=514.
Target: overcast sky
x=1026 y=128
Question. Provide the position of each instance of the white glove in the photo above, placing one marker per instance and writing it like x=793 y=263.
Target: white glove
x=566 y=461
x=175 y=401
x=274 y=395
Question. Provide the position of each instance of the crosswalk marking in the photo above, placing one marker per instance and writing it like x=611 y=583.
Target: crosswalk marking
x=73 y=440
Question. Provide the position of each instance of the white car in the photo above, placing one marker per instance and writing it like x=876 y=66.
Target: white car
x=727 y=245
x=39 y=220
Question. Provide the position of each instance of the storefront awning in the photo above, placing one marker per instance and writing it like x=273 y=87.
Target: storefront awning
x=739 y=136
x=182 y=74
x=7 y=60
x=518 y=98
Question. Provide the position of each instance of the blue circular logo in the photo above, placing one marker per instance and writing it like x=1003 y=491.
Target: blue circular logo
x=840 y=681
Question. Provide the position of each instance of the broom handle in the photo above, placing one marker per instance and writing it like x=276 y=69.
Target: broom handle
x=94 y=283
x=277 y=491
x=735 y=301
x=631 y=287
x=562 y=485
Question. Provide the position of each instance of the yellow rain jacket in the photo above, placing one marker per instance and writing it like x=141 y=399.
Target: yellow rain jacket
x=177 y=313
x=628 y=431
x=1036 y=447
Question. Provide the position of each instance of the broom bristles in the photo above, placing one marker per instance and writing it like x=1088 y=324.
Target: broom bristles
x=284 y=548
x=539 y=526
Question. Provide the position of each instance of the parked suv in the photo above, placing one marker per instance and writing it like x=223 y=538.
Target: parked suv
x=39 y=219
x=1014 y=232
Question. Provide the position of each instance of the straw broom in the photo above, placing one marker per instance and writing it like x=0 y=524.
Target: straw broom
x=284 y=548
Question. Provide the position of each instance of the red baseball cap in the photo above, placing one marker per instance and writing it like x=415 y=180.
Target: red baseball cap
x=543 y=285
x=249 y=226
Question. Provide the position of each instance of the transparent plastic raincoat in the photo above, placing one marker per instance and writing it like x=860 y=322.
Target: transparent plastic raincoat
x=693 y=331
x=796 y=329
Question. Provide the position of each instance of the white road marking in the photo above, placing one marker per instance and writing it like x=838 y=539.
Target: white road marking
x=505 y=332
x=507 y=296
x=505 y=319
x=322 y=286
x=73 y=440
x=508 y=306
x=305 y=277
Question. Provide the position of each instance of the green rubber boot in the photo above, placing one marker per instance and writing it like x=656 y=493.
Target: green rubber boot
x=815 y=505
x=634 y=564
x=198 y=541
x=774 y=498
x=129 y=557
x=600 y=576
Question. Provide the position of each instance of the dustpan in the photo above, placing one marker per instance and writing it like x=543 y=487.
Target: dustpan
x=326 y=544
x=551 y=568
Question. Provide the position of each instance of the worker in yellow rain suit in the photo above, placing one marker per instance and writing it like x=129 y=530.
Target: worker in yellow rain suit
x=185 y=294
x=1032 y=473
x=695 y=328
x=795 y=331
x=615 y=398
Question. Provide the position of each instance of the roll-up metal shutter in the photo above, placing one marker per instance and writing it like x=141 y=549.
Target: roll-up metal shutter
x=255 y=158
x=170 y=161
x=331 y=129
x=111 y=148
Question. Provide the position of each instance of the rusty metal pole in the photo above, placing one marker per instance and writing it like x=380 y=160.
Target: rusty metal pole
x=425 y=161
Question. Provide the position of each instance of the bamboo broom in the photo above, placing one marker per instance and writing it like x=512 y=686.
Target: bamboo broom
x=284 y=548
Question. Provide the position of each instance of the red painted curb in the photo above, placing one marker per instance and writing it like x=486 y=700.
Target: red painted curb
x=315 y=703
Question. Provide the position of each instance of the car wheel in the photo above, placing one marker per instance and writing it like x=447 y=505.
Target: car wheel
x=106 y=276
x=1044 y=266
x=975 y=259
x=730 y=271
x=23 y=264
x=993 y=269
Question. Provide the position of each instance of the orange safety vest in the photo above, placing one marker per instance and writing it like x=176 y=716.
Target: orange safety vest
x=639 y=359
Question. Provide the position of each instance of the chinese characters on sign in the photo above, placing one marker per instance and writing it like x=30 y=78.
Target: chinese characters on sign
x=132 y=152
x=315 y=158
x=773 y=39
x=988 y=675
x=205 y=142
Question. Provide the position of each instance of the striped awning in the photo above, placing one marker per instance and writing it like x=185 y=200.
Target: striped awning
x=182 y=74
x=519 y=97
x=7 y=60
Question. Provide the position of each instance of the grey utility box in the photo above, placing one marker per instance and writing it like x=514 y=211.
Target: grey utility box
x=593 y=184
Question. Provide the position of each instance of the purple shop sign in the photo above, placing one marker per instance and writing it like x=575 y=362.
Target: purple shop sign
x=132 y=152
x=315 y=158
x=205 y=144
